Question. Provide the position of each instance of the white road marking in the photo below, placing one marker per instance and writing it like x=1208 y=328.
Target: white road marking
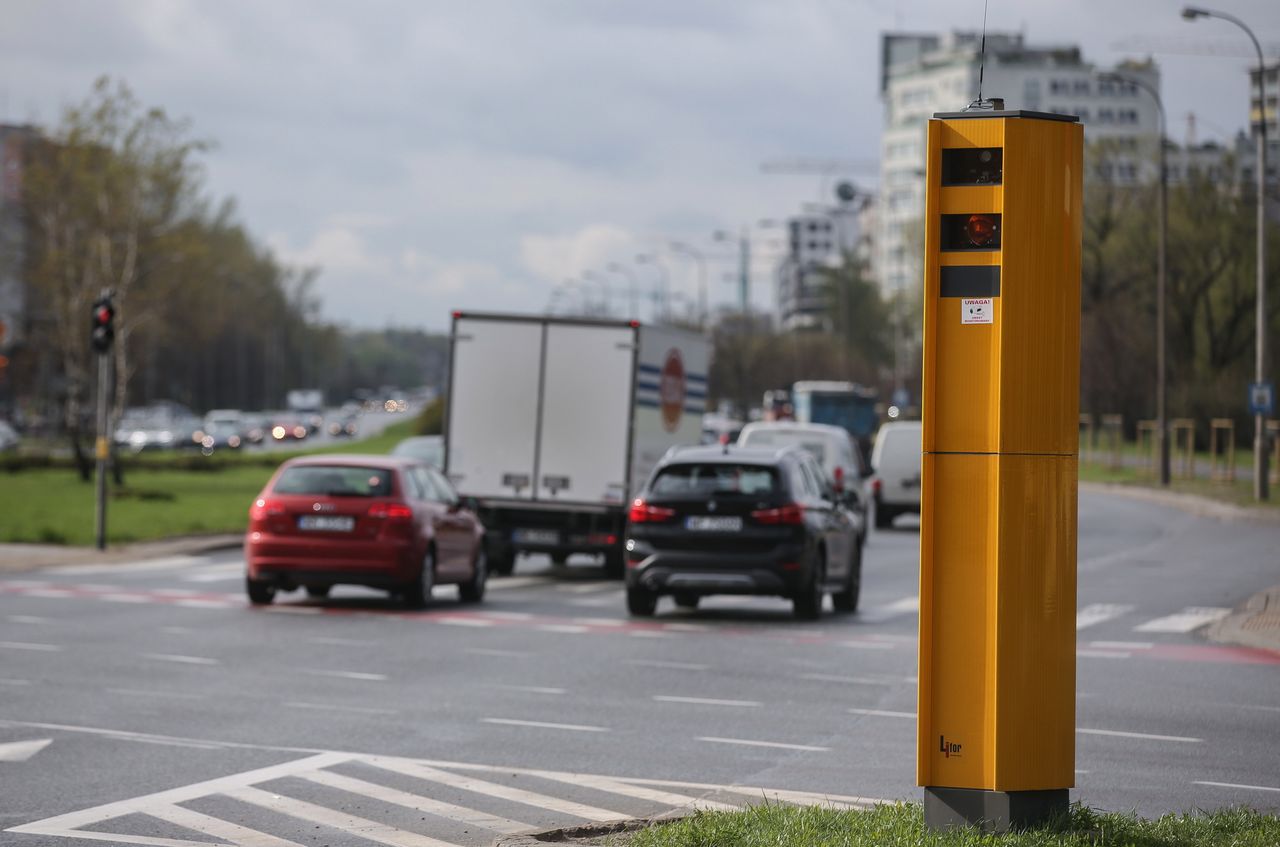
x=227 y=831
x=1143 y=735
x=1235 y=785
x=851 y=680
x=310 y=812
x=705 y=701
x=1122 y=645
x=125 y=598
x=573 y=727
x=589 y=588
x=883 y=713
x=648 y=633
x=1256 y=707
x=1102 y=654
x=1190 y=618
x=509 y=616
x=1099 y=612
x=571 y=629
x=868 y=645
x=614 y=786
x=494 y=651
x=142 y=692
x=878 y=614
x=659 y=663
x=175 y=592
x=772 y=744
x=600 y=621
x=34 y=619
x=397 y=797
x=50 y=593
x=603 y=601
x=493 y=789
x=169 y=563
x=21 y=751
x=291 y=610
x=515 y=582
x=194 y=603
x=476 y=622
x=9 y=681
x=182 y=660
x=340 y=642
x=370 y=677
x=325 y=707
x=686 y=627
x=31 y=645
x=532 y=689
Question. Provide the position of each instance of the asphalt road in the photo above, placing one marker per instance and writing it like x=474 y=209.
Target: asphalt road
x=150 y=703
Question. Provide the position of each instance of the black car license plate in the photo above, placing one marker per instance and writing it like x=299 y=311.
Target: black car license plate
x=713 y=523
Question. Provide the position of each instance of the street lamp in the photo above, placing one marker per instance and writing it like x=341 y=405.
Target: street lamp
x=660 y=298
x=1162 y=213
x=1260 y=470
x=633 y=284
x=701 y=258
x=744 y=264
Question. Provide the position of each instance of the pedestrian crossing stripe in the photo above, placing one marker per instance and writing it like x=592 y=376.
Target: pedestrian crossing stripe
x=211 y=831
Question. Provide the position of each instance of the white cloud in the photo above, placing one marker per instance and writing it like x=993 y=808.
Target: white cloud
x=558 y=257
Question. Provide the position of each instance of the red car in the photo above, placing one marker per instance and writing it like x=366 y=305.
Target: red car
x=385 y=522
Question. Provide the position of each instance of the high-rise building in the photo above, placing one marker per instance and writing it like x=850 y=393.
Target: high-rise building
x=924 y=74
x=816 y=240
x=15 y=142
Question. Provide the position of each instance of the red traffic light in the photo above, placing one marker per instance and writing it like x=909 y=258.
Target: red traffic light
x=981 y=230
x=102 y=316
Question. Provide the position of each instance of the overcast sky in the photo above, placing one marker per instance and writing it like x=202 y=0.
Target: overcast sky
x=438 y=155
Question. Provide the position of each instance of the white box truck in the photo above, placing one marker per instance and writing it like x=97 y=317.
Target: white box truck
x=553 y=425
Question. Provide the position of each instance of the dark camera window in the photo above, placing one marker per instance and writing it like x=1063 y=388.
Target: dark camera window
x=973 y=166
x=971 y=232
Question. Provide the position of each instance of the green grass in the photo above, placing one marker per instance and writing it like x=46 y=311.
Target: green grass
x=902 y=825
x=1239 y=492
x=164 y=495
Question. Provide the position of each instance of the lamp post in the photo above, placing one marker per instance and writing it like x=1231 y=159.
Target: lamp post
x=744 y=265
x=633 y=286
x=1261 y=484
x=660 y=296
x=701 y=258
x=1162 y=252
x=606 y=293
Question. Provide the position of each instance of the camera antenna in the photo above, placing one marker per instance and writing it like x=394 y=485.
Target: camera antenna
x=995 y=102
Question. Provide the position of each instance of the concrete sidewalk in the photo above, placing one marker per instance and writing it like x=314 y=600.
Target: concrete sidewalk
x=15 y=558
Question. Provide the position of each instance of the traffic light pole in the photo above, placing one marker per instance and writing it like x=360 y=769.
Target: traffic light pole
x=100 y=451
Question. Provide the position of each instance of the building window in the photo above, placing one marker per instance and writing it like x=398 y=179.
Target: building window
x=1106 y=116
x=1081 y=86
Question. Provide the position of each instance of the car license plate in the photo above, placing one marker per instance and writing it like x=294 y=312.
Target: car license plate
x=713 y=524
x=536 y=536
x=327 y=523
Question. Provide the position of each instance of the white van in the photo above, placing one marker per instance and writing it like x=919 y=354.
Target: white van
x=895 y=463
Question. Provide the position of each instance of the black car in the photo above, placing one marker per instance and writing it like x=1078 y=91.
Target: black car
x=738 y=520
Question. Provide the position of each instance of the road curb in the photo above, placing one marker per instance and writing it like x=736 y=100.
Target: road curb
x=17 y=558
x=588 y=832
x=1191 y=503
x=1256 y=624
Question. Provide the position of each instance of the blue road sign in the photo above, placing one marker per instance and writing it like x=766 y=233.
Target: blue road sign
x=1262 y=398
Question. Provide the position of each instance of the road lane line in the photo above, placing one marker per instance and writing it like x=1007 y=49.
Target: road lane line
x=600 y=621
x=492 y=789
x=169 y=563
x=851 y=680
x=370 y=677
x=31 y=645
x=532 y=689
x=340 y=642
x=868 y=645
x=49 y=593
x=1103 y=654
x=571 y=629
x=182 y=660
x=687 y=627
x=515 y=582
x=125 y=598
x=771 y=744
x=344 y=821
x=232 y=833
x=142 y=692
x=705 y=701
x=33 y=619
x=397 y=797
x=476 y=622
x=617 y=786
x=1190 y=618
x=584 y=589
x=544 y=725
x=509 y=616
x=325 y=707
x=659 y=663
x=883 y=713
x=1122 y=645
x=1235 y=785
x=1143 y=735
x=494 y=651
x=285 y=610
x=9 y=681
x=1098 y=613
x=898 y=608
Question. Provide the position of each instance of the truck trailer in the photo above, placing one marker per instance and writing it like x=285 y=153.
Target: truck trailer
x=553 y=424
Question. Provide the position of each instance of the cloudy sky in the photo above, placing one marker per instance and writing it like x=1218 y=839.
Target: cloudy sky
x=437 y=155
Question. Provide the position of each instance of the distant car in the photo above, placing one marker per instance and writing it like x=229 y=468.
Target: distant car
x=424 y=448
x=216 y=434
x=255 y=429
x=832 y=446
x=156 y=428
x=739 y=520
x=380 y=521
x=343 y=425
x=9 y=437
x=288 y=428
x=895 y=463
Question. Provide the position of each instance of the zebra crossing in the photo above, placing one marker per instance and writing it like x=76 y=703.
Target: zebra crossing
x=402 y=802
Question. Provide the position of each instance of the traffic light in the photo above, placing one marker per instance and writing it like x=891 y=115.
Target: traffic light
x=104 y=329
x=996 y=728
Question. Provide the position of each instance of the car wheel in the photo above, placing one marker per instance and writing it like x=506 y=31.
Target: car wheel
x=472 y=591
x=559 y=559
x=687 y=601
x=261 y=592
x=641 y=602
x=614 y=564
x=847 y=600
x=884 y=517
x=318 y=591
x=502 y=564
x=418 y=593
x=807 y=605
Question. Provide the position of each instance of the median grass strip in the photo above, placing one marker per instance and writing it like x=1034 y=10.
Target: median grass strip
x=902 y=825
x=164 y=495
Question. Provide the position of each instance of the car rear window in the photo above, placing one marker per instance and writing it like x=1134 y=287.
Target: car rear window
x=335 y=481
x=701 y=480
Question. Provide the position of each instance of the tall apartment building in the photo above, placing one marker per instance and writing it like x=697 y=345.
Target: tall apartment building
x=15 y=141
x=815 y=240
x=924 y=74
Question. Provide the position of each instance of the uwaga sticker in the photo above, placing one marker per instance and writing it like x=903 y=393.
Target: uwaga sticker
x=979 y=310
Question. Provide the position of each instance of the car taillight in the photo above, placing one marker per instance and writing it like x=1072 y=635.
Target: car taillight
x=791 y=514
x=263 y=509
x=839 y=479
x=875 y=485
x=642 y=512
x=391 y=511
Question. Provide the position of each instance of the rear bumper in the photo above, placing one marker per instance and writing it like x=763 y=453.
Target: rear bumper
x=783 y=570
x=293 y=561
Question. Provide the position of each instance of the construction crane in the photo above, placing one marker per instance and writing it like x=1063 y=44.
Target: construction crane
x=823 y=168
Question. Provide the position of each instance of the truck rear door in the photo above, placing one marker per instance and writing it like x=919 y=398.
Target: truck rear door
x=493 y=407
x=586 y=413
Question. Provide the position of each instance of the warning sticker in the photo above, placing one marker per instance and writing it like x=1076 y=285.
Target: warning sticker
x=978 y=310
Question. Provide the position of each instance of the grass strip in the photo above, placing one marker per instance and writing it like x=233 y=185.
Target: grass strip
x=902 y=825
